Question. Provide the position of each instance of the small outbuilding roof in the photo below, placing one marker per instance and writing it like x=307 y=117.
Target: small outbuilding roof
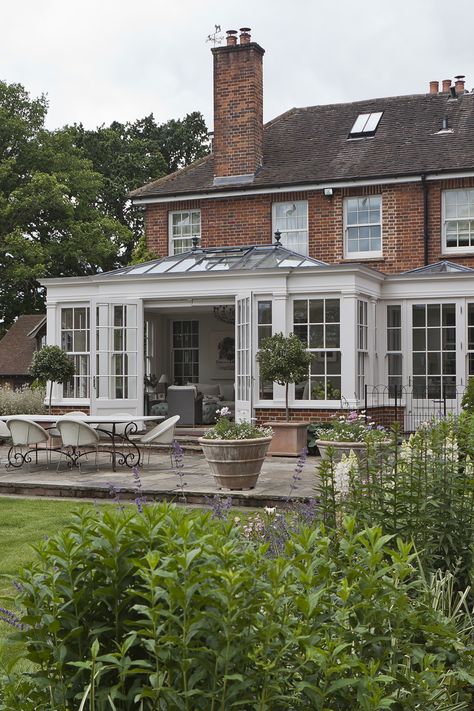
x=19 y=343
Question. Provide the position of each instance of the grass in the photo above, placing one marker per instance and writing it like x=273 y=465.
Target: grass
x=24 y=522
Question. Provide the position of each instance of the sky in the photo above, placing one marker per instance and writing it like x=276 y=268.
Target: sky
x=104 y=60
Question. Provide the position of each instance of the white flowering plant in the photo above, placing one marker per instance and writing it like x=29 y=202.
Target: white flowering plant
x=353 y=427
x=228 y=429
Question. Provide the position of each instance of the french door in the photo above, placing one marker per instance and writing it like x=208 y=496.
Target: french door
x=433 y=361
x=116 y=363
x=243 y=357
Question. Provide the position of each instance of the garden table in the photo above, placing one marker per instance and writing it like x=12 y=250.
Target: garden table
x=129 y=455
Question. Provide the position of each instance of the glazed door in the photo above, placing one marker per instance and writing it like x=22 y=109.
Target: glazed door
x=117 y=376
x=243 y=358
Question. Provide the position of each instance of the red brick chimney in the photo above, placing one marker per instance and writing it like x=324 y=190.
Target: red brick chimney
x=446 y=86
x=459 y=84
x=434 y=87
x=238 y=106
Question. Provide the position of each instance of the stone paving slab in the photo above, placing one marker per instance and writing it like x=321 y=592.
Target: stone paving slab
x=158 y=480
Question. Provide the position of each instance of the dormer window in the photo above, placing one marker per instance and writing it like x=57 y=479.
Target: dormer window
x=365 y=125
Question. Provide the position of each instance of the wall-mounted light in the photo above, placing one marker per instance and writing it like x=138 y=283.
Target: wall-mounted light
x=328 y=192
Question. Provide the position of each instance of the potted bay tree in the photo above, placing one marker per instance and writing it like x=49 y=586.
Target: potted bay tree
x=285 y=360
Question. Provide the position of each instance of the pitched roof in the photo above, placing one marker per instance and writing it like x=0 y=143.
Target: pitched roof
x=217 y=259
x=18 y=345
x=310 y=145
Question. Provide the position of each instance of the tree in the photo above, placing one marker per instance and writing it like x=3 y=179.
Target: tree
x=133 y=154
x=53 y=364
x=50 y=220
x=283 y=360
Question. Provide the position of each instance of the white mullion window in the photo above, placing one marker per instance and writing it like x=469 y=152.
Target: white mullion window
x=394 y=350
x=183 y=226
x=264 y=330
x=470 y=339
x=119 y=370
x=362 y=348
x=317 y=322
x=291 y=220
x=75 y=341
x=458 y=220
x=363 y=227
x=434 y=350
x=185 y=341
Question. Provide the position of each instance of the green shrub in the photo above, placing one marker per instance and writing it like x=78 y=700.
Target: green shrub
x=422 y=490
x=175 y=610
x=22 y=401
x=467 y=402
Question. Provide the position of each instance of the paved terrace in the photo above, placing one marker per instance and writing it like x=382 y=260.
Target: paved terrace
x=158 y=480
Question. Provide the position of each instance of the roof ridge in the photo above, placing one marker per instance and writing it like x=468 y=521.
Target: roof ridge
x=397 y=97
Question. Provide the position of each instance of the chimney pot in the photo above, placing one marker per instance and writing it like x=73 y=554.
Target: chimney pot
x=434 y=87
x=245 y=35
x=459 y=85
x=231 y=38
x=446 y=86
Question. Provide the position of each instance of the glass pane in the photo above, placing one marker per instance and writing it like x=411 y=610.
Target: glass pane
x=300 y=311
x=264 y=312
x=394 y=340
x=434 y=363
x=419 y=315
x=302 y=333
x=332 y=310
x=333 y=388
x=66 y=318
x=419 y=363
x=333 y=362
x=332 y=336
x=395 y=364
x=433 y=315
x=316 y=311
x=118 y=316
x=419 y=339
x=316 y=336
x=449 y=315
x=394 y=316
x=434 y=339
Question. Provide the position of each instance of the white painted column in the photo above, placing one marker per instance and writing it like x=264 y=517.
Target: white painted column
x=349 y=349
x=53 y=335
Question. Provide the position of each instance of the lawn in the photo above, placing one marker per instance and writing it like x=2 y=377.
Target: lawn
x=24 y=522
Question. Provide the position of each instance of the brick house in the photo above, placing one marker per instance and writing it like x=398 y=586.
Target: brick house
x=350 y=224
x=17 y=347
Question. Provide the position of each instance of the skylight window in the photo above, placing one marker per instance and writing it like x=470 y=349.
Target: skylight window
x=365 y=125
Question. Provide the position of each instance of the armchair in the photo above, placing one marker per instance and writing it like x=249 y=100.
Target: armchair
x=183 y=400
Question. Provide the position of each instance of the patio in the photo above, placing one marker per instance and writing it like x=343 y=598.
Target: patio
x=158 y=480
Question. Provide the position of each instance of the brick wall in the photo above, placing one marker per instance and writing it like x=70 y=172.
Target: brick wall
x=248 y=220
x=384 y=416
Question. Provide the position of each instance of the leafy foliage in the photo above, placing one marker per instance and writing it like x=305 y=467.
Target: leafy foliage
x=50 y=224
x=283 y=360
x=422 y=489
x=52 y=364
x=64 y=205
x=467 y=402
x=171 y=609
x=135 y=153
x=227 y=429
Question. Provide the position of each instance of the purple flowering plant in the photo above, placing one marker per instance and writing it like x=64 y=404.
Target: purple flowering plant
x=352 y=427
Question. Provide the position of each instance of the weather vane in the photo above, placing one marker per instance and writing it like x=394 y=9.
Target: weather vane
x=214 y=36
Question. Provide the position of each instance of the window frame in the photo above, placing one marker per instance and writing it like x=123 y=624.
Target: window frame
x=192 y=350
x=444 y=219
x=171 y=237
x=330 y=353
x=275 y=227
x=74 y=354
x=369 y=254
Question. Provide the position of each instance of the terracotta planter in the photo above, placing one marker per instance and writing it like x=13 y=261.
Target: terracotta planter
x=289 y=438
x=235 y=463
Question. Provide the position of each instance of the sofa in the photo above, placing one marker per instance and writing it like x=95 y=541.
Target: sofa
x=215 y=396
x=185 y=401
